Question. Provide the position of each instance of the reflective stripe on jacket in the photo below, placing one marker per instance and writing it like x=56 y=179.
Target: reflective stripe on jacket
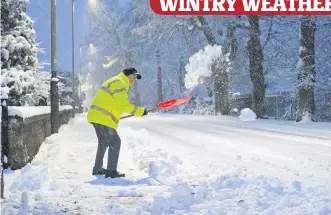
x=110 y=101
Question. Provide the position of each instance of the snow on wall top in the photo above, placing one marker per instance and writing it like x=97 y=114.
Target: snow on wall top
x=26 y=112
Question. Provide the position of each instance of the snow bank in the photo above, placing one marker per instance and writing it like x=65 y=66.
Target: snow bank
x=28 y=204
x=235 y=193
x=306 y=118
x=29 y=188
x=32 y=178
x=158 y=164
x=27 y=191
x=200 y=65
x=30 y=111
x=247 y=115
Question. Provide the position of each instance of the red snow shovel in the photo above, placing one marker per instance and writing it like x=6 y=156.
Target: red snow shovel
x=166 y=104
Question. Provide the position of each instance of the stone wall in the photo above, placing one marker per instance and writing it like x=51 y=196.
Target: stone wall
x=27 y=135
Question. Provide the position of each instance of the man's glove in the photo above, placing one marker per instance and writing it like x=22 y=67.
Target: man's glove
x=145 y=112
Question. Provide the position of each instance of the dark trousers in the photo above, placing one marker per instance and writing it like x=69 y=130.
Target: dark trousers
x=107 y=137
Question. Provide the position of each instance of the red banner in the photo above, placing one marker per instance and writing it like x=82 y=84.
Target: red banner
x=241 y=7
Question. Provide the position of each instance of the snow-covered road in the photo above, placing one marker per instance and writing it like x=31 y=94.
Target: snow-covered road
x=179 y=164
x=286 y=150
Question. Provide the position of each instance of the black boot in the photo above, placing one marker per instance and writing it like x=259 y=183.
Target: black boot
x=99 y=172
x=114 y=174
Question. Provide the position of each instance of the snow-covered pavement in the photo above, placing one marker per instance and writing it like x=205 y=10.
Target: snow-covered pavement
x=178 y=164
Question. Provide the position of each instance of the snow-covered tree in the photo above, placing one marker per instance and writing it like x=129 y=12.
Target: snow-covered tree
x=306 y=69
x=65 y=87
x=323 y=69
x=18 y=45
x=20 y=78
x=256 y=66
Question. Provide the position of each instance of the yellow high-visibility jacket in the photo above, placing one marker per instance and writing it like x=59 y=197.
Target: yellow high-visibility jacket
x=110 y=101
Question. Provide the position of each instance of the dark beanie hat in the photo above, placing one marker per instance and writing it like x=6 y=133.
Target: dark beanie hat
x=130 y=71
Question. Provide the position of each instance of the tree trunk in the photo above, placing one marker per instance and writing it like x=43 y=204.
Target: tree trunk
x=221 y=87
x=306 y=69
x=181 y=75
x=256 y=68
x=231 y=45
x=159 y=77
x=222 y=78
x=207 y=30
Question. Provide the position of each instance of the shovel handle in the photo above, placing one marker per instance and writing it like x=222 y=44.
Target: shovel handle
x=152 y=110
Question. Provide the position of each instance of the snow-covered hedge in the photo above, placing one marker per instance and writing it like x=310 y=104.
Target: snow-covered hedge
x=25 y=87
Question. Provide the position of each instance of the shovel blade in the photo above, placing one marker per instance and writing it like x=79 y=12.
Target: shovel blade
x=173 y=102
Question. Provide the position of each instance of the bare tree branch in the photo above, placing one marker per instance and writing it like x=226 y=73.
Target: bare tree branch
x=269 y=33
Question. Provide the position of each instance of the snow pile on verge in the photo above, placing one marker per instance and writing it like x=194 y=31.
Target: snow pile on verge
x=28 y=203
x=32 y=178
x=30 y=186
x=235 y=193
x=27 y=191
x=158 y=164
x=247 y=115
x=306 y=118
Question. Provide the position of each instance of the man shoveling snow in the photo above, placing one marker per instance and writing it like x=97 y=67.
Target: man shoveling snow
x=110 y=101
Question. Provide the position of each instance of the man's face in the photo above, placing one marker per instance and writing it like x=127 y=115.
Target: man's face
x=132 y=78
